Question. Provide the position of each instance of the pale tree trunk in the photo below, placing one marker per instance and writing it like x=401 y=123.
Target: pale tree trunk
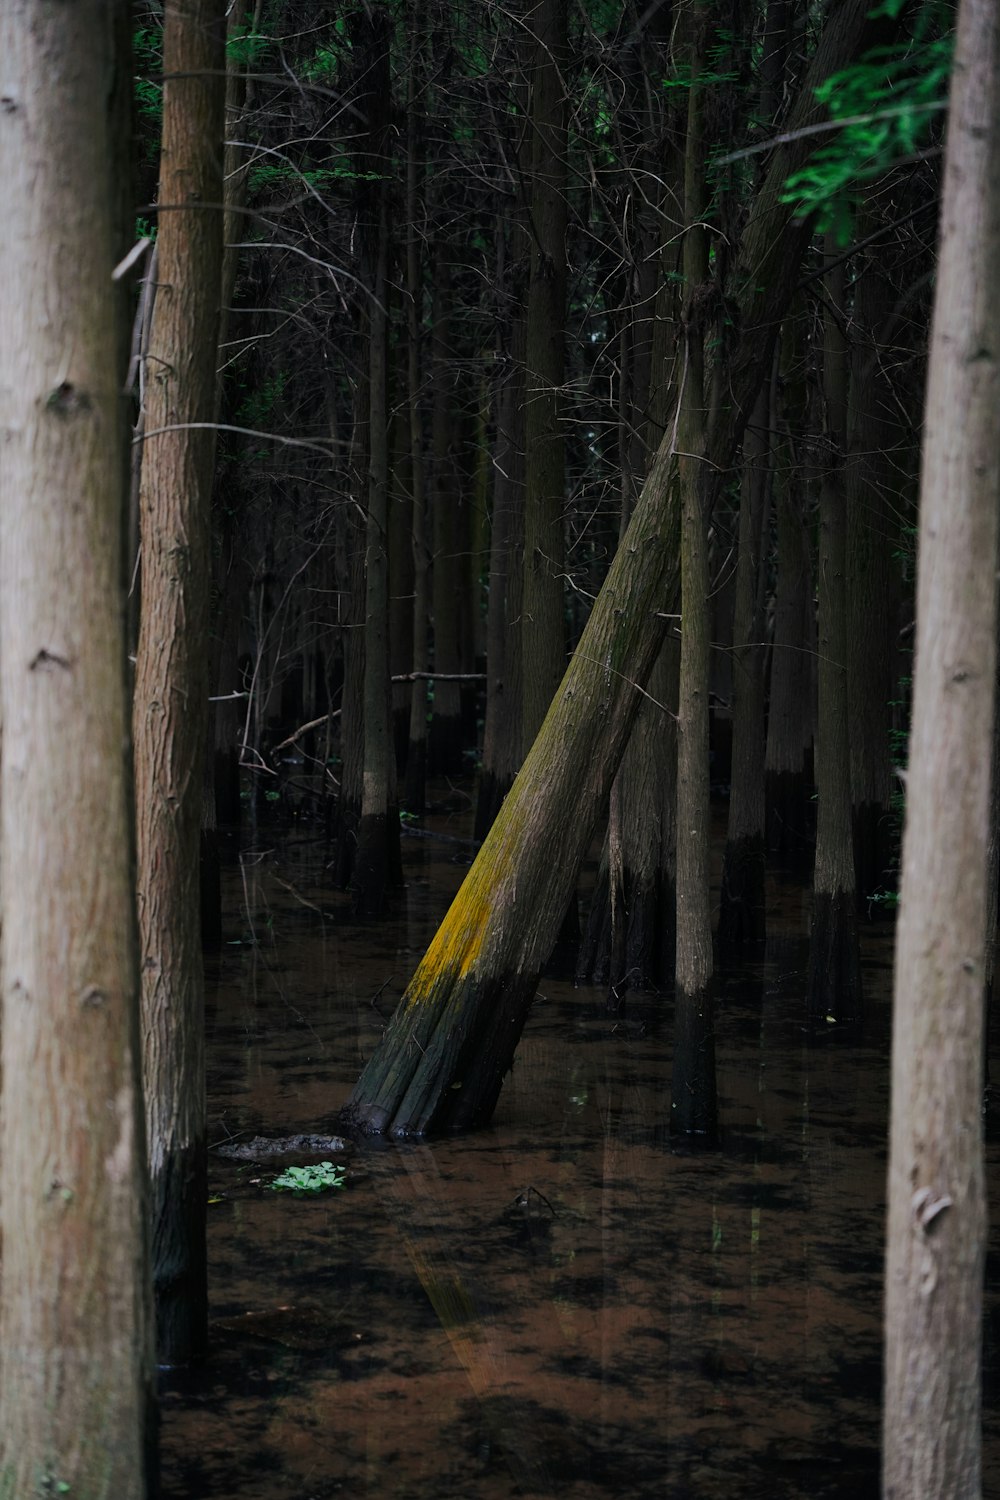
x=441 y=1062
x=937 y=1212
x=75 y=1321
x=543 y=658
x=171 y=688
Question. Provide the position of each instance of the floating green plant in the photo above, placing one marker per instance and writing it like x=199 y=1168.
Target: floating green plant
x=317 y=1179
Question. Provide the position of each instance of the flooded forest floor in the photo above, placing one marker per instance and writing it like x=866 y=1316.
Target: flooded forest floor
x=563 y=1304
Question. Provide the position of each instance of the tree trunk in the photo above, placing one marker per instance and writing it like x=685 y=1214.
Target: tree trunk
x=75 y=1326
x=377 y=862
x=873 y=476
x=414 y=793
x=741 y=916
x=441 y=1062
x=544 y=635
x=692 y=1105
x=444 y=751
x=788 y=758
x=171 y=689
x=834 y=993
x=937 y=1213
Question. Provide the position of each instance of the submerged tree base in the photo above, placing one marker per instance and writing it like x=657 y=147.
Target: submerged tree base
x=834 y=993
x=445 y=1075
x=631 y=948
x=742 y=909
x=694 y=1102
x=377 y=863
x=415 y=782
x=179 y=1196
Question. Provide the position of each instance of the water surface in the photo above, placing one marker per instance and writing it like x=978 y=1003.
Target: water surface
x=563 y=1304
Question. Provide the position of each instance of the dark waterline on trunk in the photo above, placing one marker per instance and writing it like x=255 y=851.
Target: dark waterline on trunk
x=563 y=1304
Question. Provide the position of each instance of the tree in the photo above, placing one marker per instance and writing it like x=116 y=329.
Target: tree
x=76 y=1378
x=442 y=1060
x=171 y=688
x=377 y=859
x=937 y=1223
x=834 y=961
x=693 y=1096
x=543 y=651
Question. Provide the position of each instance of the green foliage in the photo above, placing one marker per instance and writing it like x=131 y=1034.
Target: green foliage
x=887 y=102
x=246 y=47
x=257 y=406
x=147 y=60
x=317 y=1179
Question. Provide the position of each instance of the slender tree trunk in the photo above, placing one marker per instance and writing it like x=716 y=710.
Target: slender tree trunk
x=414 y=795
x=377 y=861
x=444 y=751
x=873 y=477
x=171 y=689
x=741 y=917
x=834 y=961
x=351 y=542
x=491 y=794
x=75 y=1315
x=543 y=631
x=788 y=757
x=937 y=1213
x=693 y=1098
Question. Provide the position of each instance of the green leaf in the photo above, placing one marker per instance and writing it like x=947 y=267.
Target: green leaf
x=314 y=1179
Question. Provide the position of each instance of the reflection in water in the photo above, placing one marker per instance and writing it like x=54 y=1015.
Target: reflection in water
x=560 y=1305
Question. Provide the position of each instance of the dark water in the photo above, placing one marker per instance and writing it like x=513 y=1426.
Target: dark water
x=561 y=1305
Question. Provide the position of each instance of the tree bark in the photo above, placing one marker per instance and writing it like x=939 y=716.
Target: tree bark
x=742 y=910
x=937 y=1214
x=692 y=1105
x=834 y=991
x=171 y=688
x=75 y=1318
x=788 y=757
x=543 y=631
x=377 y=861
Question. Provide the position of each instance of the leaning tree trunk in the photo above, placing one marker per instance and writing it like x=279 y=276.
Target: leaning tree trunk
x=441 y=1062
x=834 y=986
x=171 y=688
x=937 y=1212
x=75 y=1349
